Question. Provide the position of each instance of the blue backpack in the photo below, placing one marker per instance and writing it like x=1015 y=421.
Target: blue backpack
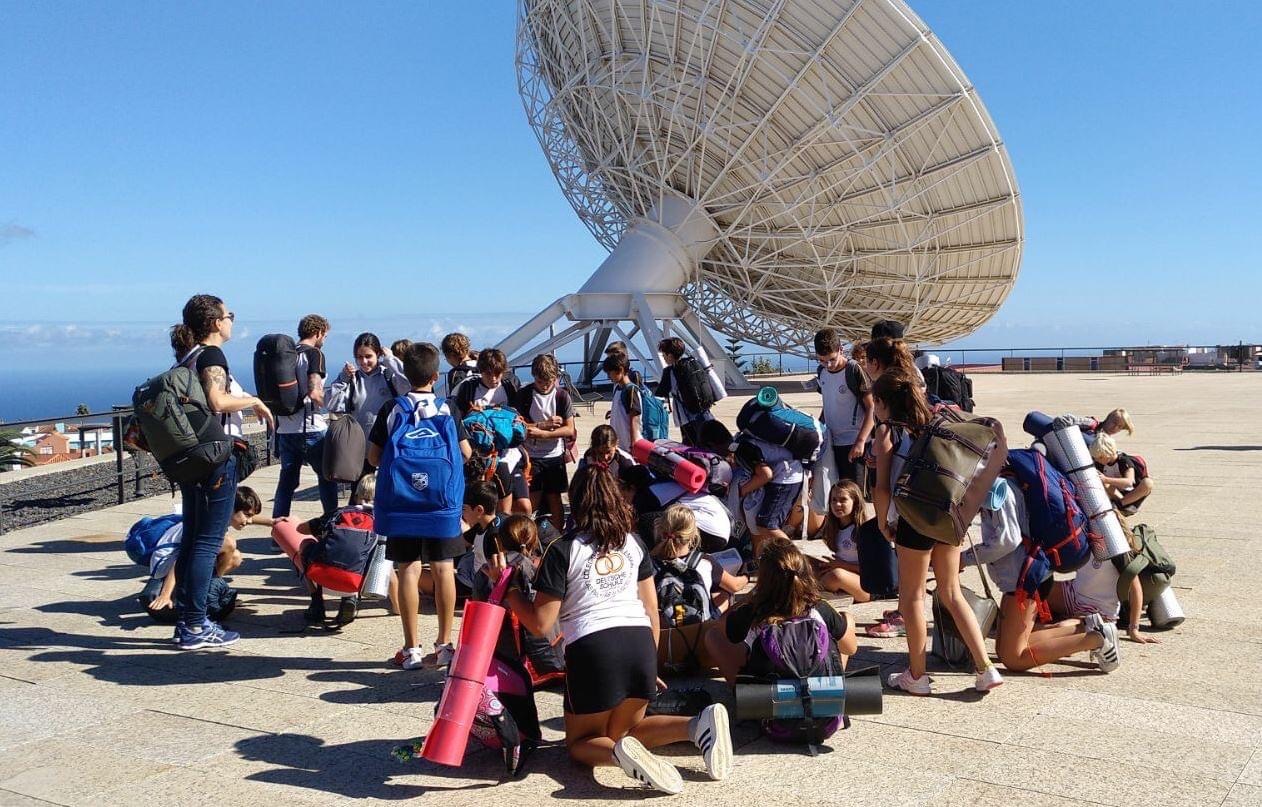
x=143 y=536
x=1059 y=538
x=420 y=482
x=495 y=429
x=654 y=419
x=768 y=418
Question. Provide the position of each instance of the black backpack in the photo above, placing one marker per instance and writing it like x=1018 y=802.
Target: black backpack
x=949 y=385
x=692 y=384
x=682 y=596
x=276 y=374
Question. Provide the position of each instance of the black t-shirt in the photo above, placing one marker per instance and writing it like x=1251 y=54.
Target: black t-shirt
x=740 y=620
x=380 y=434
x=210 y=356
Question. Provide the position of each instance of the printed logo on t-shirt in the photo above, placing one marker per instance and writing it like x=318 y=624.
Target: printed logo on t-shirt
x=420 y=480
x=606 y=575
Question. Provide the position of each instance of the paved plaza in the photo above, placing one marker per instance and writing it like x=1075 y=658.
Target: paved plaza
x=96 y=708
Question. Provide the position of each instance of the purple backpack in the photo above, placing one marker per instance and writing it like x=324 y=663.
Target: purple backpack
x=799 y=648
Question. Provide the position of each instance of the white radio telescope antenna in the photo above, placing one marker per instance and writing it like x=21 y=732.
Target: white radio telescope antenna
x=765 y=168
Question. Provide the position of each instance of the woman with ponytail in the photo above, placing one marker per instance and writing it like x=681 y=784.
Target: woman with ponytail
x=598 y=582
x=902 y=411
x=207 y=504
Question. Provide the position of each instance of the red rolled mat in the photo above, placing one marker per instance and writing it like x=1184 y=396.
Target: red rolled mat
x=665 y=462
x=445 y=744
x=287 y=537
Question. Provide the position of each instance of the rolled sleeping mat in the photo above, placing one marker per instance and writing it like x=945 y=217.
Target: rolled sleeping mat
x=1037 y=424
x=664 y=462
x=287 y=537
x=449 y=736
x=1164 y=611
x=830 y=696
x=1067 y=451
x=377 y=579
x=716 y=381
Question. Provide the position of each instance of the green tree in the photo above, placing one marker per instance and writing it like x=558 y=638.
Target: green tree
x=82 y=409
x=12 y=453
x=734 y=353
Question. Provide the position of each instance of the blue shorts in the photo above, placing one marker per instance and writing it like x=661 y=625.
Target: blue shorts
x=777 y=504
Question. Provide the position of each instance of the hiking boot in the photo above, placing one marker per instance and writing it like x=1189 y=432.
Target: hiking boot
x=1108 y=656
x=314 y=614
x=347 y=609
x=891 y=627
x=710 y=733
x=413 y=659
x=637 y=762
x=909 y=684
x=988 y=679
x=210 y=635
x=441 y=658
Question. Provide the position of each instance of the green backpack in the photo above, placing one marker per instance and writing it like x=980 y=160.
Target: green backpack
x=183 y=434
x=1150 y=563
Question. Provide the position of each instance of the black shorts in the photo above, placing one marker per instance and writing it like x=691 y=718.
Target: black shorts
x=547 y=475
x=607 y=667
x=429 y=550
x=907 y=537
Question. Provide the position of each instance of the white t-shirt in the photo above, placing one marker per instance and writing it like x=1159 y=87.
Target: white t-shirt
x=310 y=418
x=712 y=517
x=843 y=411
x=620 y=416
x=597 y=592
x=901 y=447
x=785 y=470
x=497 y=396
x=846 y=547
x=542 y=407
x=427 y=406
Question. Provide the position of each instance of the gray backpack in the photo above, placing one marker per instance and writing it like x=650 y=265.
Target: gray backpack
x=345 y=447
x=180 y=430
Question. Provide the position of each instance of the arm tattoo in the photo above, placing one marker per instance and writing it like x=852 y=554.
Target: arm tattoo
x=214 y=377
x=315 y=383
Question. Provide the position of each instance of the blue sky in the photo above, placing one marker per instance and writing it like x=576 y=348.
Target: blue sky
x=372 y=160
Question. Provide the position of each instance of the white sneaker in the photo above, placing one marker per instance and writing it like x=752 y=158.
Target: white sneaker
x=442 y=656
x=1109 y=655
x=907 y=683
x=711 y=734
x=642 y=766
x=988 y=679
x=413 y=659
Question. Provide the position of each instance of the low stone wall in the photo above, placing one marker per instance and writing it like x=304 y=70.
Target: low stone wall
x=55 y=492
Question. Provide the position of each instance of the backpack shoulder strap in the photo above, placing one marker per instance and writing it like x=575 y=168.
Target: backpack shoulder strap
x=693 y=560
x=854 y=378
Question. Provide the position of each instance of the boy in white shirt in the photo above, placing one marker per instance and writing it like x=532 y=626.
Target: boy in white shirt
x=625 y=407
x=847 y=405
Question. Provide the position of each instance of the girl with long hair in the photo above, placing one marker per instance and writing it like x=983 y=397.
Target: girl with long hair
x=597 y=581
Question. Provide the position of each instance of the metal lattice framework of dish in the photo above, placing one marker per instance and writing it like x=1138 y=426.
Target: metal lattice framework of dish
x=776 y=165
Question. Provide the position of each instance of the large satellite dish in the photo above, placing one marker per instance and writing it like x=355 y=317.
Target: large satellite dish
x=765 y=168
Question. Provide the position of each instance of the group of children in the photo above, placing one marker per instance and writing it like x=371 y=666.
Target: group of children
x=636 y=557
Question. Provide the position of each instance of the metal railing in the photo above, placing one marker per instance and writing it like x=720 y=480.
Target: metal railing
x=66 y=480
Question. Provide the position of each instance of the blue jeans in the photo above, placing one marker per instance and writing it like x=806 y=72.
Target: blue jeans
x=207 y=512
x=296 y=450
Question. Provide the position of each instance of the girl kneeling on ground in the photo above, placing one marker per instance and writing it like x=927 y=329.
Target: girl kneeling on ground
x=598 y=581
x=903 y=410
x=785 y=590
x=1022 y=643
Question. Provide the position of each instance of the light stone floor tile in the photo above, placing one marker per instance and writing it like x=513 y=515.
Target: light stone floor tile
x=38 y=768
x=1101 y=781
x=1244 y=796
x=969 y=793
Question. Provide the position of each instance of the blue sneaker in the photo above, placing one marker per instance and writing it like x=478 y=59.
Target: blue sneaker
x=211 y=635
